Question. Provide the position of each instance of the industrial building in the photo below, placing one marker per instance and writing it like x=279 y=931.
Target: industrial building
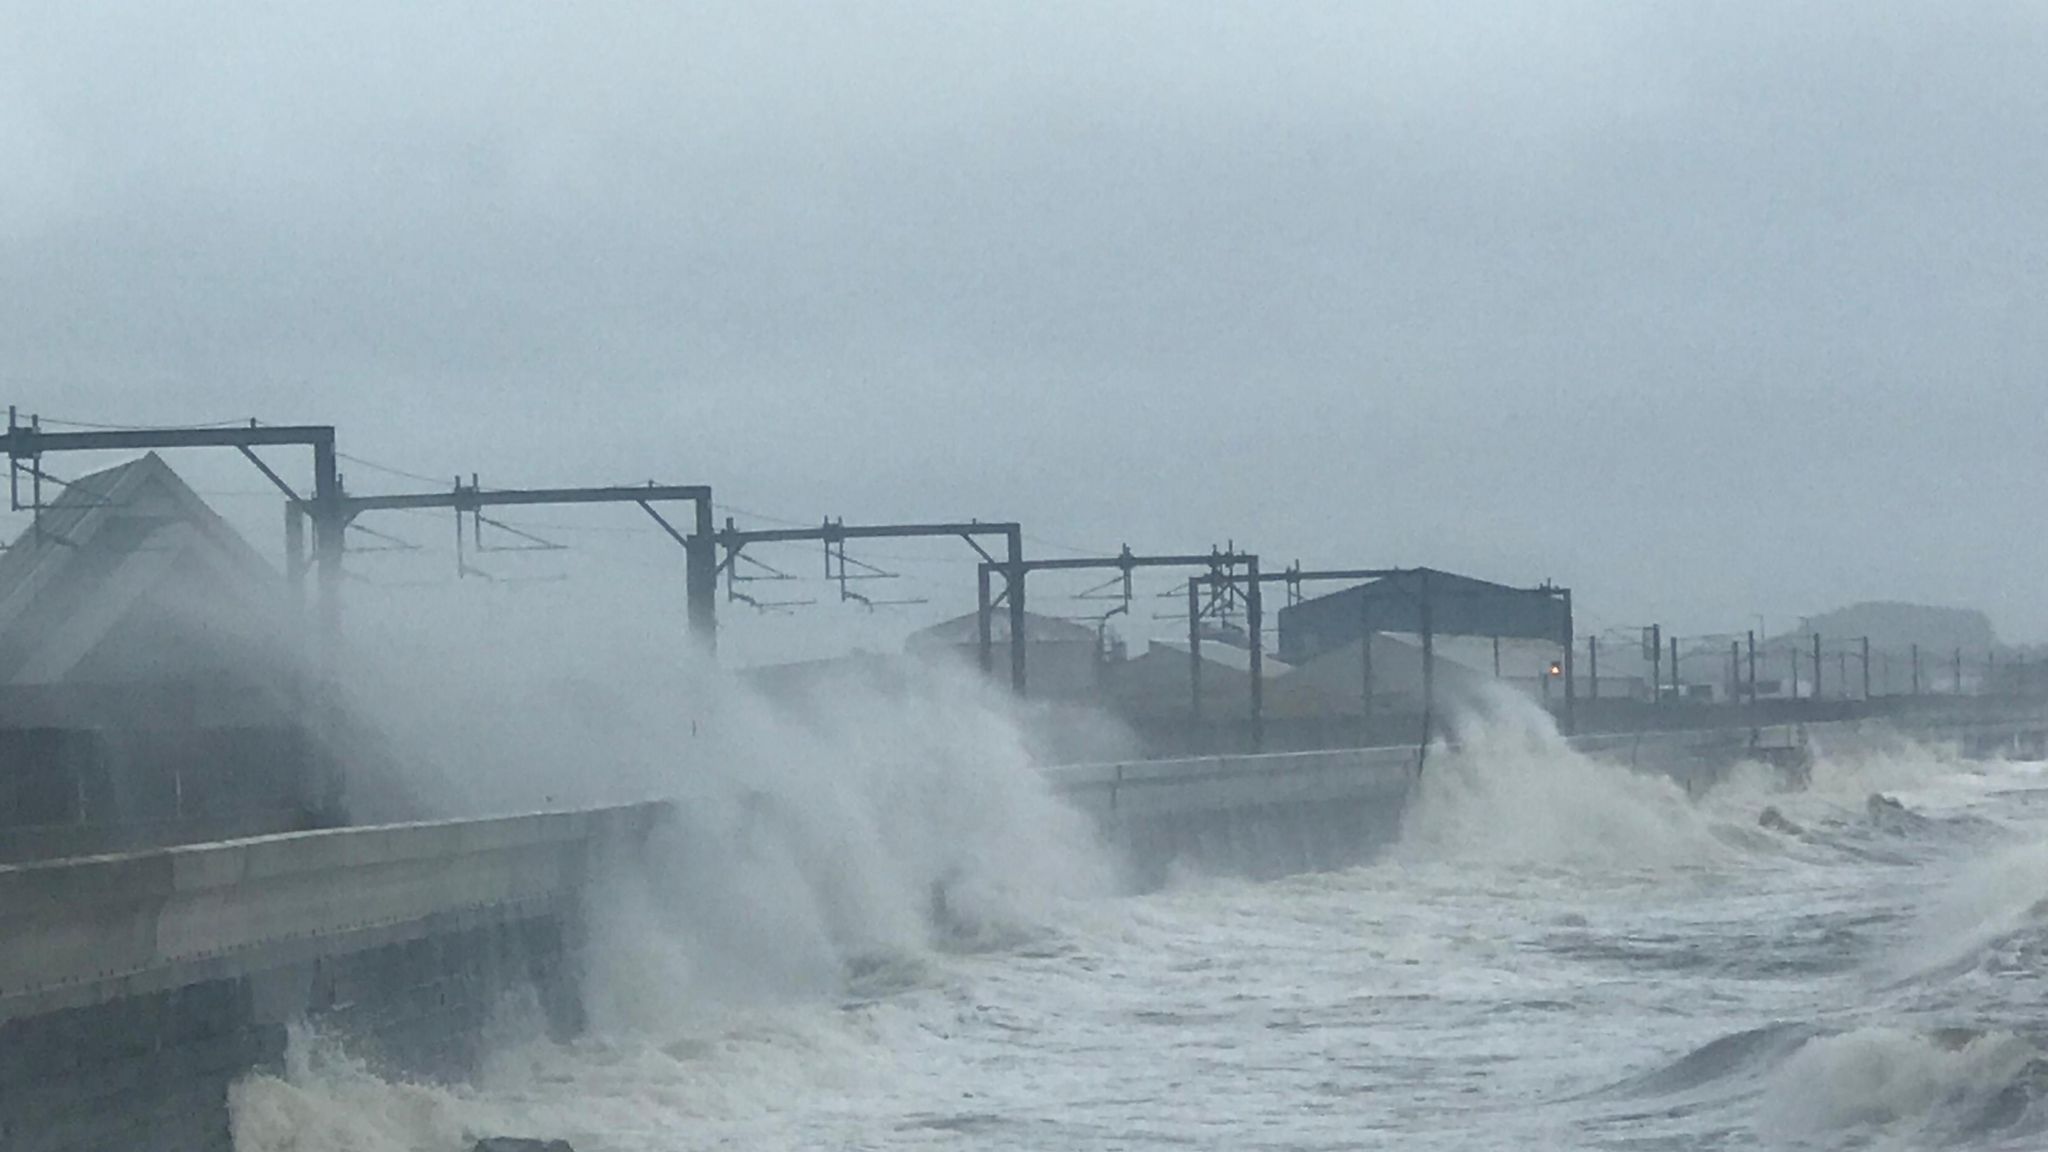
x=1423 y=601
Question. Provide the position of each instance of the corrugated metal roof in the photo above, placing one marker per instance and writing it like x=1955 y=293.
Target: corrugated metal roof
x=1458 y=605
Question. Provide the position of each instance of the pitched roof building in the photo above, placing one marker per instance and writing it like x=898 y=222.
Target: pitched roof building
x=1063 y=659
x=128 y=577
x=148 y=677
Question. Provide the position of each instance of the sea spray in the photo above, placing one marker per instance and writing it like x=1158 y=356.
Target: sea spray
x=1892 y=764
x=1506 y=788
x=824 y=845
x=1991 y=910
x=328 y=1100
x=1920 y=1089
x=877 y=818
x=732 y=1071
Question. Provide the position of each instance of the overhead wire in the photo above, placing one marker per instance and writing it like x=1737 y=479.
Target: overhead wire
x=1083 y=553
x=735 y=509
x=393 y=470
x=96 y=426
x=611 y=530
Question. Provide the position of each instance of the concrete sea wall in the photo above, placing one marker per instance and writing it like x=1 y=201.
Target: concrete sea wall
x=1275 y=813
x=135 y=989
x=1262 y=815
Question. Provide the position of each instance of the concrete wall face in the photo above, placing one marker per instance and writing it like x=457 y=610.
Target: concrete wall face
x=422 y=1007
x=151 y=1073
x=134 y=989
x=1275 y=813
x=146 y=1072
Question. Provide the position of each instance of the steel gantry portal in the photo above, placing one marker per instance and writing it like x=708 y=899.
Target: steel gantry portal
x=26 y=444
x=700 y=579
x=836 y=533
x=1219 y=566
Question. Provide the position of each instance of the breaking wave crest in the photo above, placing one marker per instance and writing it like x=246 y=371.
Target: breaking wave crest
x=1733 y=1061
x=328 y=1100
x=825 y=854
x=1811 y=1087
x=1992 y=915
x=799 y=931
x=1894 y=763
x=868 y=827
x=725 y=1079
x=1920 y=1088
x=1509 y=790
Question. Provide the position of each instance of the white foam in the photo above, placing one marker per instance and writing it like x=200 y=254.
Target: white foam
x=1920 y=774
x=824 y=848
x=1512 y=791
x=328 y=1102
x=874 y=822
x=778 y=977
x=731 y=1077
x=1890 y=1078
x=1986 y=901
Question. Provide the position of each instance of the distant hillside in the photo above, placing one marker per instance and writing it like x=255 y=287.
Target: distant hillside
x=1893 y=625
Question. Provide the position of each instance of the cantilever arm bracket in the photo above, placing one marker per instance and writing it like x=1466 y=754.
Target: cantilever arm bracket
x=528 y=541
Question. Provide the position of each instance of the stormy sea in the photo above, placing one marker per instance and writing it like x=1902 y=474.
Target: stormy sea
x=1554 y=952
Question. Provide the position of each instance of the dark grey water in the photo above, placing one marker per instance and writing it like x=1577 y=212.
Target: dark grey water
x=1557 y=954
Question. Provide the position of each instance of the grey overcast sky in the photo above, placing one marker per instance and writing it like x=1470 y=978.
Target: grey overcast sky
x=1704 y=309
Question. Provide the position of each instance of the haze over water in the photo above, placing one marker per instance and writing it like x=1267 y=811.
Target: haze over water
x=1556 y=953
x=1719 y=315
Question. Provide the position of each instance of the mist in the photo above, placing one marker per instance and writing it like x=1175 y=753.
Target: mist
x=1387 y=286
x=1667 y=322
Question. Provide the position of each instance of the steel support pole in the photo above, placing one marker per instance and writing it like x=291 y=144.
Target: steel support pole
x=1592 y=667
x=295 y=551
x=1571 y=703
x=1656 y=664
x=984 y=624
x=1254 y=602
x=700 y=580
x=1752 y=668
x=1752 y=710
x=320 y=710
x=1816 y=666
x=1014 y=541
x=328 y=525
x=295 y=583
x=1194 y=655
x=1428 y=661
